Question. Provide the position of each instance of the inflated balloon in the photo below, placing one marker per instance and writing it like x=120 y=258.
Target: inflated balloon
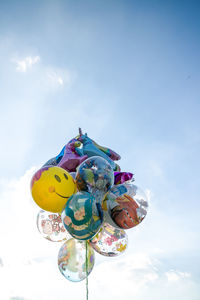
x=127 y=205
x=91 y=149
x=51 y=187
x=121 y=177
x=81 y=217
x=51 y=227
x=107 y=218
x=110 y=241
x=73 y=174
x=95 y=175
x=72 y=260
x=88 y=201
x=70 y=160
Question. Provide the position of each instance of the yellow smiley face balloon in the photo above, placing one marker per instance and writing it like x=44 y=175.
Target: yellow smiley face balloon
x=51 y=187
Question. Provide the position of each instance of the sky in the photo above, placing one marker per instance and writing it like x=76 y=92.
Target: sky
x=127 y=73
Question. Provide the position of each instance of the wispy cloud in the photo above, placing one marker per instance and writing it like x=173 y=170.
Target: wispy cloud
x=174 y=275
x=23 y=65
x=48 y=75
x=1 y=262
x=17 y=298
x=55 y=77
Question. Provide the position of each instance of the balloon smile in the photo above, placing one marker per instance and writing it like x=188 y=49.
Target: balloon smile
x=66 y=197
x=61 y=195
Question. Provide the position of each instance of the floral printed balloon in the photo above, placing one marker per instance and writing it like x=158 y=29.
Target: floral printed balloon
x=51 y=227
x=110 y=241
x=72 y=261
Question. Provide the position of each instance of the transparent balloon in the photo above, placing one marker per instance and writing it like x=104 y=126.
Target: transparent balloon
x=110 y=241
x=95 y=175
x=127 y=205
x=72 y=260
x=81 y=216
x=51 y=227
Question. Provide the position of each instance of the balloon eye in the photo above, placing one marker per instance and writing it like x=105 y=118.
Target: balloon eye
x=66 y=177
x=57 y=178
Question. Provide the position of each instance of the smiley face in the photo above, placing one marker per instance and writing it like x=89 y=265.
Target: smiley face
x=51 y=187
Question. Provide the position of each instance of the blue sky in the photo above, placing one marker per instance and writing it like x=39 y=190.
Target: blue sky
x=127 y=72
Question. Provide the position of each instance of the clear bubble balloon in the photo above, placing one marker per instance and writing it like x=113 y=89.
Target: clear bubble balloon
x=95 y=174
x=81 y=216
x=127 y=205
x=51 y=227
x=110 y=241
x=72 y=260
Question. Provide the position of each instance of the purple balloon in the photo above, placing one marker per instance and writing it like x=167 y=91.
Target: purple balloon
x=121 y=177
x=71 y=160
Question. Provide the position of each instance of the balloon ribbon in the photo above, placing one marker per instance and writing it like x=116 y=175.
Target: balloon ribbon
x=86 y=270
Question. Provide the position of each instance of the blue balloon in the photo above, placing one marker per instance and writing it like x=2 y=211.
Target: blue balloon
x=81 y=216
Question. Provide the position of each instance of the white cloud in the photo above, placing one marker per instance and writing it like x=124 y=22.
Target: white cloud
x=17 y=298
x=49 y=76
x=173 y=275
x=55 y=78
x=58 y=77
x=148 y=193
x=24 y=64
x=28 y=258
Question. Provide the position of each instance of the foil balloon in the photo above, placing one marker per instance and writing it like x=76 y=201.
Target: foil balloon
x=91 y=149
x=72 y=260
x=51 y=188
x=110 y=241
x=69 y=159
x=95 y=175
x=81 y=216
x=127 y=205
x=121 y=177
x=51 y=227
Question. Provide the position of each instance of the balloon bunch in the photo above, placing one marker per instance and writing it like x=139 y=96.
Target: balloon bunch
x=87 y=202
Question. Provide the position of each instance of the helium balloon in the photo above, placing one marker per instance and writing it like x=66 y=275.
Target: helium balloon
x=107 y=219
x=95 y=174
x=73 y=174
x=51 y=187
x=109 y=241
x=51 y=227
x=127 y=205
x=121 y=177
x=81 y=217
x=72 y=261
x=90 y=148
x=69 y=159
x=96 y=202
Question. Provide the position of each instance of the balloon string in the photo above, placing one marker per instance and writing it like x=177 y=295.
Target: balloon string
x=86 y=270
